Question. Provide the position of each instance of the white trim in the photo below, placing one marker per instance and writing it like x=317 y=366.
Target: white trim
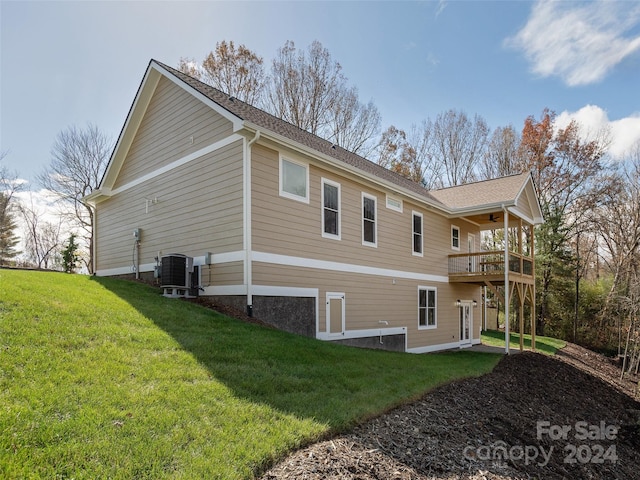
x=324 y=181
x=453 y=247
x=247 y=269
x=371 y=332
x=413 y=251
x=435 y=348
x=464 y=304
x=289 y=195
x=391 y=206
x=435 y=308
x=277 y=291
x=175 y=164
x=375 y=219
x=342 y=267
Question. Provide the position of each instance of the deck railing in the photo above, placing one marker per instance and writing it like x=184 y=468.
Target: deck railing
x=489 y=263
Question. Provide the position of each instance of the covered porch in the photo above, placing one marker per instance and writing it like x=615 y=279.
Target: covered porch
x=505 y=211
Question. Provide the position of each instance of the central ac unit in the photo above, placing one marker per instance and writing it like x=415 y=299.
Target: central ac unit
x=177 y=275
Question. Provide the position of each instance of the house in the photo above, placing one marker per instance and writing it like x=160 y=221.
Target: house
x=302 y=233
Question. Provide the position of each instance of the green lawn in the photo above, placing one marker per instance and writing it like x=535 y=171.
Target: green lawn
x=101 y=378
x=546 y=345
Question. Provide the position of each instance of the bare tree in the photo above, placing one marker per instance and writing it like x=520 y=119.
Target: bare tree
x=237 y=71
x=305 y=86
x=352 y=124
x=190 y=67
x=79 y=158
x=617 y=221
x=308 y=89
x=42 y=237
x=502 y=154
x=459 y=144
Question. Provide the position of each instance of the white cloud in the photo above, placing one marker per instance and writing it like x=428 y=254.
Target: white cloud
x=624 y=132
x=578 y=42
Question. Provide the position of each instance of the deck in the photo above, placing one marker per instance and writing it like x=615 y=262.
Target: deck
x=489 y=267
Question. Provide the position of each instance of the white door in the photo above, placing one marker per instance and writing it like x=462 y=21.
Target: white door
x=466 y=323
x=335 y=313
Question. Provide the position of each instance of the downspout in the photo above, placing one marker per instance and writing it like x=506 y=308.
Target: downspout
x=248 y=270
x=94 y=241
x=506 y=279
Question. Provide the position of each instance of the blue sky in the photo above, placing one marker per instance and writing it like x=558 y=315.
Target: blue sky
x=70 y=63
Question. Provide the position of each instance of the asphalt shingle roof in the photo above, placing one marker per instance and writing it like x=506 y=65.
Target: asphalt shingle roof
x=470 y=195
x=487 y=192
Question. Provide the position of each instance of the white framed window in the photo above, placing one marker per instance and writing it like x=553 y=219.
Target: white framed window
x=369 y=220
x=294 y=180
x=394 y=203
x=331 y=217
x=416 y=221
x=427 y=307
x=455 y=238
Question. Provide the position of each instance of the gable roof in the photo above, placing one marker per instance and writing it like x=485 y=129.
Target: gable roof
x=498 y=190
x=452 y=201
x=263 y=120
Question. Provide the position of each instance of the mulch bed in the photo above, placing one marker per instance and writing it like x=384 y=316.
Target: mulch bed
x=505 y=425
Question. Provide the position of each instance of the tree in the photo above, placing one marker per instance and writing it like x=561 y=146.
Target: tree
x=79 y=158
x=501 y=157
x=237 y=71
x=617 y=222
x=308 y=90
x=70 y=256
x=353 y=124
x=396 y=153
x=42 y=237
x=459 y=143
x=9 y=185
x=567 y=171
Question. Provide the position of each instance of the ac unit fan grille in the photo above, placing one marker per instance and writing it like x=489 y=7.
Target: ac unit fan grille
x=174 y=271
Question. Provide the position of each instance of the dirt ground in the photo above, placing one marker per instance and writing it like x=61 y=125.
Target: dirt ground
x=534 y=416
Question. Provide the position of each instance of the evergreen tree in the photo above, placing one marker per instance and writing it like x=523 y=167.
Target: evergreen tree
x=70 y=256
x=8 y=239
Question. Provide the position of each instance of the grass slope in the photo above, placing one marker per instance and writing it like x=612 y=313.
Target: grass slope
x=101 y=378
x=547 y=345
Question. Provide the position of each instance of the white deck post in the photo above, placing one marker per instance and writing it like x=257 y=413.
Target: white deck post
x=506 y=280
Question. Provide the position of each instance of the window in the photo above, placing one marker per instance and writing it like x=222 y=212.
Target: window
x=417 y=233
x=455 y=237
x=369 y=220
x=394 y=203
x=330 y=209
x=427 y=304
x=294 y=180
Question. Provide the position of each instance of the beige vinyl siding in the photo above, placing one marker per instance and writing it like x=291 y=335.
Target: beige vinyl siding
x=231 y=273
x=174 y=125
x=198 y=210
x=524 y=204
x=288 y=227
x=370 y=299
